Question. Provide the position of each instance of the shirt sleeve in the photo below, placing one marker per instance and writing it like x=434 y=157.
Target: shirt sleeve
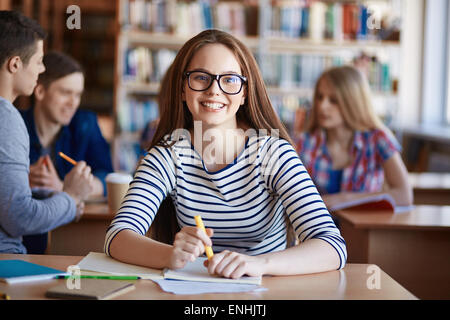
x=386 y=144
x=20 y=214
x=153 y=181
x=286 y=177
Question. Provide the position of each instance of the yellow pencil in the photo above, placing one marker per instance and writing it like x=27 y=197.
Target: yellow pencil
x=208 y=249
x=62 y=155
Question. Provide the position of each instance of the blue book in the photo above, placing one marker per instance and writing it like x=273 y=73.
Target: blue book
x=363 y=18
x=14 y=271
x=304 y=28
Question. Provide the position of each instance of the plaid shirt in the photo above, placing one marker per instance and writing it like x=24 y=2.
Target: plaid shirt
x=368 y=152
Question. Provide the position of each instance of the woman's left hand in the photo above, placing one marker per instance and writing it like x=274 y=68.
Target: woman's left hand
x=234 y=265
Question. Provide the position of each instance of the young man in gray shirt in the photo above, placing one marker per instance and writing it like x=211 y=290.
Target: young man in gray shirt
x=21 y=53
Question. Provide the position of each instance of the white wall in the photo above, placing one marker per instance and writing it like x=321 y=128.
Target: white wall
x=410 y=97
x=434 y=62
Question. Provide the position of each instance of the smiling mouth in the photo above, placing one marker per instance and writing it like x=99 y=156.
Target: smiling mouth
x=213 y=105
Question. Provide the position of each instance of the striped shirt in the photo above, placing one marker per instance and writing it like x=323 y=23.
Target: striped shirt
x=244 y=203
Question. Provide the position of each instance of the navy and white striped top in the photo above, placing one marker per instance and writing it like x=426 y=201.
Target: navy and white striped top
x=244 y=202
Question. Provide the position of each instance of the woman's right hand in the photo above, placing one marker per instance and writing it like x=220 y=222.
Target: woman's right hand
x=189 y=244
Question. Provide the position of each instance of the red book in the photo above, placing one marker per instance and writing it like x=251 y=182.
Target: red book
x=383 y=202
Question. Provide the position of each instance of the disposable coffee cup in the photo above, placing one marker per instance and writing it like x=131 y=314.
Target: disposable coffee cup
x=116 y=187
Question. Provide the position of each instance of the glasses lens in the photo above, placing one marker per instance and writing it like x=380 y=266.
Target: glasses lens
x=199 y=80
x=230 y=83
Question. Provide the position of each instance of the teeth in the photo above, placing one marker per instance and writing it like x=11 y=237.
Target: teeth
x=214 y=106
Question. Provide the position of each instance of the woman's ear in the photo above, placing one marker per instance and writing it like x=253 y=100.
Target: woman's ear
x=39 y=92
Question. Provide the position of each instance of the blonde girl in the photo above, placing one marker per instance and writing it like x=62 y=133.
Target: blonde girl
x=347 y=150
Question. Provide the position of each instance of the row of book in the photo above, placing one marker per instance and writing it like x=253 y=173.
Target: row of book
x=330 y=20
x=134 y=113
x=188 y=17
x=290 y=71
x=145 y=65
x=286 y=70
x=362 y=20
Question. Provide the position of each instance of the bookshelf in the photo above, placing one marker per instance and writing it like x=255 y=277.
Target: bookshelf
x=93 y=45
x=293 y=41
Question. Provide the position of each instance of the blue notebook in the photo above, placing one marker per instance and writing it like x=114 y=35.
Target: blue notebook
x=14 y=271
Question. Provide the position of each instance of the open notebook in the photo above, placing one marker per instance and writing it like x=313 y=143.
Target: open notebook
x=193 y=271
x=369 y=203
x=196 y=271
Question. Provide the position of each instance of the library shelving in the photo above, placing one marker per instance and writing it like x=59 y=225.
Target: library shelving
x=294 y=41
x=93 y=45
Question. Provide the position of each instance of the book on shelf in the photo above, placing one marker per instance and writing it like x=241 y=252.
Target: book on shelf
x=319 y=20
x=134 y=114
x=185 y=18
x=143 y=65
x=290 y=70
x=147 y=15
x=130 y=150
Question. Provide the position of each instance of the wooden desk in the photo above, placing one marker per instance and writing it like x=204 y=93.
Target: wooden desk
x=431 y=188
x=79 y=238
x=349 y=283
x=413 y=247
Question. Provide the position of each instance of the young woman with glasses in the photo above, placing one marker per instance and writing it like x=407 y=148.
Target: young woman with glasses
x=221 y=152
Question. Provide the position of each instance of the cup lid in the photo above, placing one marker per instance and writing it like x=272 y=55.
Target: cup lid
x=118 y=177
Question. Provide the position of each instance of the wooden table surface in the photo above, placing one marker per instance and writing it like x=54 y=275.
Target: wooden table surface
x=422 y=217
x=412 y=247
x=97 y=211
x=349 y=283
x=431 y=187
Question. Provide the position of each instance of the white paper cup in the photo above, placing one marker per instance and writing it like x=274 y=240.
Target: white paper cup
x=116 y=187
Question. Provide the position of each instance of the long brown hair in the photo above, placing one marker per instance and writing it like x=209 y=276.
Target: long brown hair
x=256 y=112
x=353 y=98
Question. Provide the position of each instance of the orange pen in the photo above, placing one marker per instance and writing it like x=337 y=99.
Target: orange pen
x=67 y=158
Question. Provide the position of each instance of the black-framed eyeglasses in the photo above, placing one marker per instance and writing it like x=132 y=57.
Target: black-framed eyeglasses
x=229 y=83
